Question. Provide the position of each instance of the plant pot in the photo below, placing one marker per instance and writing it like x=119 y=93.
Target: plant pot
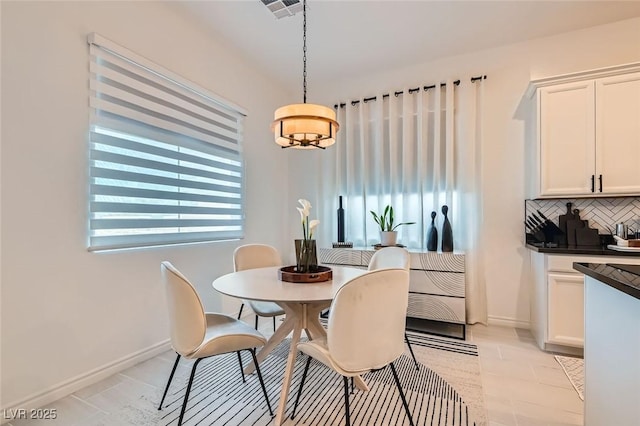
x=388 y=238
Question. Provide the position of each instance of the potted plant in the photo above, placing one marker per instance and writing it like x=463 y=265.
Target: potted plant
x=388 y=233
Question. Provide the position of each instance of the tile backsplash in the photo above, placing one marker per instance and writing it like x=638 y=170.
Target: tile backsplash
x=602 y=213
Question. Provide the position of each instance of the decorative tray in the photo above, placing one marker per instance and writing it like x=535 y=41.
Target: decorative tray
x=379 y=246
x=622 y=248
x=289 y=274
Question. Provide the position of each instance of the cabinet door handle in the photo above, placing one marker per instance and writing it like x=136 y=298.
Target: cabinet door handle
x=593 y=183
x=600 y=179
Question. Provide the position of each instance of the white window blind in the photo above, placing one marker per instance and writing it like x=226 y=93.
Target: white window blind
x=166 y=162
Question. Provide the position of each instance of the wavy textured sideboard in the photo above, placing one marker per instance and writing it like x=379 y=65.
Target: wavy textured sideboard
x=436 y=289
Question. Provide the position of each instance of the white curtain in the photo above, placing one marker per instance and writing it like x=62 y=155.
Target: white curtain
x=417 y=151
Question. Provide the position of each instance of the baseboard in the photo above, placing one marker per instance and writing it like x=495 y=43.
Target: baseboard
x=508 y=322
x=566 y=350
x=74 y=384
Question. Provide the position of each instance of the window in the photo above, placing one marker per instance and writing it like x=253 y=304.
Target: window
x=408 y=151
x=166 y=162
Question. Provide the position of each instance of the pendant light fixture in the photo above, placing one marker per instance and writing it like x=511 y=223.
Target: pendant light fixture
x=305 y=126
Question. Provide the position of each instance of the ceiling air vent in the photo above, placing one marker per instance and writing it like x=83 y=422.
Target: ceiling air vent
x=282 y=8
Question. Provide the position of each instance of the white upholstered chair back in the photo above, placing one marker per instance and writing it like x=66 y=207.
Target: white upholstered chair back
x=187 y=321
x=390 y=257
x=366 y=325
x=251 y=256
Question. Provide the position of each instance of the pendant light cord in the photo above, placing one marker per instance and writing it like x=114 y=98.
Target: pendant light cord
x=304 y=49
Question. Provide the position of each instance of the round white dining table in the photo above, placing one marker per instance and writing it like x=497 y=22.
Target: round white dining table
x=302 y=303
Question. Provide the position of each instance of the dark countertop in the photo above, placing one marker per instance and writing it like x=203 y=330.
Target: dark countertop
x=594 y=251
x=621 y=280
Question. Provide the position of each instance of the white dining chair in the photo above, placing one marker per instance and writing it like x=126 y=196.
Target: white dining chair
x=198 y=335
x=393 y=257
x=251 y=256
x=365 y=330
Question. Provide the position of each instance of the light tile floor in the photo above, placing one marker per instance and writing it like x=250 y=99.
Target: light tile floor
x=523 y=386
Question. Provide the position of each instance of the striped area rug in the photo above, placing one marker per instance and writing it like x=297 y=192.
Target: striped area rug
x=442 y=343
x=445 y=391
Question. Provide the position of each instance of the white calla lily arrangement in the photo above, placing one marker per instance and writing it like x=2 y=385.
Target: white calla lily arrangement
x=307 y=226
x=306 y=251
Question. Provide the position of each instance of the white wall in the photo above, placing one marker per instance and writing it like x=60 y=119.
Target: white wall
x=65 y=311
x=509 y=71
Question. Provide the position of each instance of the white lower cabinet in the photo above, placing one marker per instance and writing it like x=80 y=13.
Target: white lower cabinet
x=566 y=309
x=557 y=299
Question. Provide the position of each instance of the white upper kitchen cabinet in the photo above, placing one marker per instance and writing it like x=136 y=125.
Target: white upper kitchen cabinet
x=567 y=137
x=618 y=134
x=586 y=137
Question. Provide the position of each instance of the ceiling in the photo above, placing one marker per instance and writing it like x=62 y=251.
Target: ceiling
x=346 y=37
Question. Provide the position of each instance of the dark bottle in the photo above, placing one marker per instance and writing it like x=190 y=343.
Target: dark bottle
x=432 y=235
x=340 y=221
x=447 y=232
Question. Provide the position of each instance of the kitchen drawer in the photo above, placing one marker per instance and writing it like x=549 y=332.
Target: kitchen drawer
x=564 y=263
x=439 y=308
x=433 y=261
x=436 y=282
x=338 y=256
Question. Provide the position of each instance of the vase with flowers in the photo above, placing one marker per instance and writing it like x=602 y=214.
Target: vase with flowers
x=306 y=257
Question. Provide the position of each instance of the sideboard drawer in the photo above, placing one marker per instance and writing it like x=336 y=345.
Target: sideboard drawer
x=439 y=308
x=366 y=256
x=436 y=282
x=433 y=261
x=339 y=256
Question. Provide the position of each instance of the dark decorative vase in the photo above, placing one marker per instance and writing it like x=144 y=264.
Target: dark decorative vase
x=340 y=221
x=447 y=232
x=432 y=235
x=306 y=257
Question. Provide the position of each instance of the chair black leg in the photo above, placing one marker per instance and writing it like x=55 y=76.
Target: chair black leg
x=186 y=395
x=173 y=370
x=304 y=376
x=274 y=324
x=241 y=370
x=411 y=350
x=264 y=389
x=346 y=399
x=256 y=322
x=404 y=401
x=240 y=313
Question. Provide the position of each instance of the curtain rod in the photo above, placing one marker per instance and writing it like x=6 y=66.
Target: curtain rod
x=411 y=91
